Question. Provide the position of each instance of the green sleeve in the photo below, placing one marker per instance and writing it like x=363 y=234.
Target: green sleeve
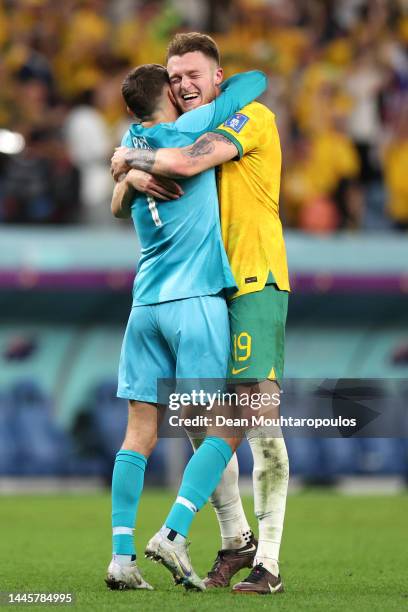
x=233 y=140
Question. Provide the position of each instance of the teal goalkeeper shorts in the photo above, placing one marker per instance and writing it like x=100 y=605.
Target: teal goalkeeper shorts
x=183 y=339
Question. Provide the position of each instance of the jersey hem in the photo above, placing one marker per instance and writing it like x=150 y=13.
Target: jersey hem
x=228 y=291
x=137 y=397
x=255 y=289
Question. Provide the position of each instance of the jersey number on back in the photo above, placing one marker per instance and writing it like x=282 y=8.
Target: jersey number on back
x=154 y=212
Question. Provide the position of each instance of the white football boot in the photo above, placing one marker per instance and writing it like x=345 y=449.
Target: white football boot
x=174 y=556
x=121 y=577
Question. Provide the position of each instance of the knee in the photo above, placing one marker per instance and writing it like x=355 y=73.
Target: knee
x=144 y=445
x=141 y=432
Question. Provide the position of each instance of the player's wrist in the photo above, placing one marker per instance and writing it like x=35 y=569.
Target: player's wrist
x=129 y=177
x=129 y=160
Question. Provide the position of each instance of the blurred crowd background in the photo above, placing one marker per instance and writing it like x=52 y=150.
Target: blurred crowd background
x=338 y=78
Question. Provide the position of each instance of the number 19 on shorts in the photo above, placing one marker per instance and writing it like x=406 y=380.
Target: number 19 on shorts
x=242 y=346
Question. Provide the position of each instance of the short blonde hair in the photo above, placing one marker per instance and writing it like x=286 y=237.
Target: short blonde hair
x=188 y=42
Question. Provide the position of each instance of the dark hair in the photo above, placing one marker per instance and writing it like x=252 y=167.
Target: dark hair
x=188 y=42
x=142 y=89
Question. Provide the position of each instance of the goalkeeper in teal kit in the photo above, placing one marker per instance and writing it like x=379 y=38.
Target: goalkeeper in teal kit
x=178 y=326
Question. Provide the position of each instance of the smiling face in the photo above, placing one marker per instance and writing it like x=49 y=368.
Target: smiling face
x=194 y=79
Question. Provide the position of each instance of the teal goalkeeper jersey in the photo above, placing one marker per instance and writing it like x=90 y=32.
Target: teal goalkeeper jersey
x=182 y=253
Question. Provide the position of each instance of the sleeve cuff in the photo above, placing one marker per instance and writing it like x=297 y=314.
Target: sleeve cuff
x=233 y=140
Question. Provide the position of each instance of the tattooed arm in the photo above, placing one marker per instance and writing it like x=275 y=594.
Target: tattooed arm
x=208 y=151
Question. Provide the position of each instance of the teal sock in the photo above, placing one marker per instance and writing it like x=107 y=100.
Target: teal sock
x=127 y=486
x=201 y=477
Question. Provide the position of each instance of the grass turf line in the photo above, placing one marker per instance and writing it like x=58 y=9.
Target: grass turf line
x=339 y=553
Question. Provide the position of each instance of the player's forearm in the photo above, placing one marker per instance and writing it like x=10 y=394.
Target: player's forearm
x=210 y=150
x=163 y=162
x=122 y=197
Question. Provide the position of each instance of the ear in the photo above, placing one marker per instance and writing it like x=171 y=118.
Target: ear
x=129 y=112
x=171 y=97
x=218 y=76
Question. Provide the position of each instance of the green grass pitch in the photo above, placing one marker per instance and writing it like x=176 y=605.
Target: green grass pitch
x=339 y=554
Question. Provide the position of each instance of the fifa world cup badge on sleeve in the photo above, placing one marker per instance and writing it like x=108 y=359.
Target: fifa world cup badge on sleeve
x=236 y=122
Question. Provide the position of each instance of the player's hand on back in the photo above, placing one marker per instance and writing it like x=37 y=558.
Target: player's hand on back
x=159 y=187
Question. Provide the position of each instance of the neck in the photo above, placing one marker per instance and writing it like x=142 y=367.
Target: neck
x=162 y=116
